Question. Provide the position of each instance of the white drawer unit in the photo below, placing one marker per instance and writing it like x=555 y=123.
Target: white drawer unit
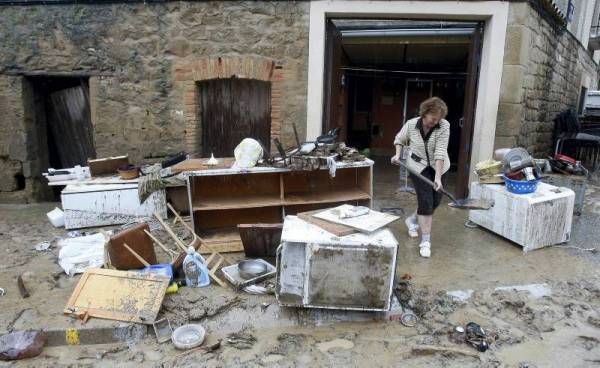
x=533 y=220
x=316 y=269
x=109 y=204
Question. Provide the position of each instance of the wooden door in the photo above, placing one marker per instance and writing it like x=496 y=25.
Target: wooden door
x=70 y=125
x=231 y=110
x=467 y=123
x=332 y=92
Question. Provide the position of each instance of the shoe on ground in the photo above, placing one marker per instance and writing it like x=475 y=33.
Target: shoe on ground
x=425 y=249
x=413 y=229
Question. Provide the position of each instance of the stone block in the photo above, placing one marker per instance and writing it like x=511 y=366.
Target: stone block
x=509 y=119
x=518 y=13
x=9 y=169
x=518 y=45
x=511 y=89
x=505 y=142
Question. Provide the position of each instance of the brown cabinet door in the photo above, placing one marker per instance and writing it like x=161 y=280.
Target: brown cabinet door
x=231 y=110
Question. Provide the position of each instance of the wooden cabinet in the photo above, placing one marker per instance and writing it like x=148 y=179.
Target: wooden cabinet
x=219 y=200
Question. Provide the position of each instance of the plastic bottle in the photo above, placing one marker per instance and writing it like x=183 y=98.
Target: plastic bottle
x=195 y=270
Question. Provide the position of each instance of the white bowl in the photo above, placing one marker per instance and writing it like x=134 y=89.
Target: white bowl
x=188 y=336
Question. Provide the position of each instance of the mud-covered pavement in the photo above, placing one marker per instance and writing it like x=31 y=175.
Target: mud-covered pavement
x=558 y=325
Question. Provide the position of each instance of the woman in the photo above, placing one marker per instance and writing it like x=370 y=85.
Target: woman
x=427 y=137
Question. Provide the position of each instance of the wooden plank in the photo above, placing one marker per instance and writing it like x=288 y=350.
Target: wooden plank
x=118 y=295
x=107 y=165
x=368 y=223
x=335 y=229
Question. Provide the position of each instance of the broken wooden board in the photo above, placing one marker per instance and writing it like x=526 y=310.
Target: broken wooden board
x=118 y=295
x=335 y=229
x=107 y=165
x=260 y=240
x=367 y=223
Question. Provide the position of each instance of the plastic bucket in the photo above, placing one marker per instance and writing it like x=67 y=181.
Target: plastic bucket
x=56 y=217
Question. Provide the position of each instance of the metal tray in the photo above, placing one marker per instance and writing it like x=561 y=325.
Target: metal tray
x=232 y=275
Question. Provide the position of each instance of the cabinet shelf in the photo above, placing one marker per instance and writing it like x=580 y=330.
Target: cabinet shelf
x=226 y=203
x=342 y=195
x=222 y=200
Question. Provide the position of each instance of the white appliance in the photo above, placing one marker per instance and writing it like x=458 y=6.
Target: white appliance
x=316 y=269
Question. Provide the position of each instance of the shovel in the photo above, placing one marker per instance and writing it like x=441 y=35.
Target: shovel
x=467 y=203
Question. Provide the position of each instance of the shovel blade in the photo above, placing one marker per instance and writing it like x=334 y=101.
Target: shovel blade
x=472 y=204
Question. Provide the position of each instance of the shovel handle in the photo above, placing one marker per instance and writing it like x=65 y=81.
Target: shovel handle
x=426 y=180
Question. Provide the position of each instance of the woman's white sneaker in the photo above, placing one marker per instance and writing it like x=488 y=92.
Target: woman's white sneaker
x=413 y=229
x=425 y=249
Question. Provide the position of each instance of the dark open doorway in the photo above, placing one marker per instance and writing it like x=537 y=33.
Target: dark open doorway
x=60 y=108
x=383 y=69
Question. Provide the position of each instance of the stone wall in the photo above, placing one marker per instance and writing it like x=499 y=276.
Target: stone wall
x=544 y=70
x=12 y=135
x=131 y=52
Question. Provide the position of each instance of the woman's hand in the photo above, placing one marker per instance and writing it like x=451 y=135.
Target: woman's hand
x=438 y=183
x=395 y=159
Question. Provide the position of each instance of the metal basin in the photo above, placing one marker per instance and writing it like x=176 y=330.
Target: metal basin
x=251 y=268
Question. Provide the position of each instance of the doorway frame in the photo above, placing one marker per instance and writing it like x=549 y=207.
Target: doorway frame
x=493 y=13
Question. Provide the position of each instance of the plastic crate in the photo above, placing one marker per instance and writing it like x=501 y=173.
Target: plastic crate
x=576 y=183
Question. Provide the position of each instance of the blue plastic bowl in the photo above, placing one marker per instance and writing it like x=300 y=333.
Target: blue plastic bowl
x=520 y=187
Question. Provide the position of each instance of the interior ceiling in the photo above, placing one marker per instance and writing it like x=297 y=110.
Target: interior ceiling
x=406 y=42
x=445 y=55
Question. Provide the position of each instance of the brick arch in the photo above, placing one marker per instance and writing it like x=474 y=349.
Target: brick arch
x=189 y=73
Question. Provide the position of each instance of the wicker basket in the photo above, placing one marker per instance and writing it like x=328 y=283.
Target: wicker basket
x=491 y=179
x=488 y=168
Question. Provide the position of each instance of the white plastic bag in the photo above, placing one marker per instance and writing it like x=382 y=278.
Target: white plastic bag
x=78 y=254
x=56 y=217
x=247 y=153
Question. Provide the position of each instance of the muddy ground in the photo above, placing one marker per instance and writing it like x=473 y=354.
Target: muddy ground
x=557 y=327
